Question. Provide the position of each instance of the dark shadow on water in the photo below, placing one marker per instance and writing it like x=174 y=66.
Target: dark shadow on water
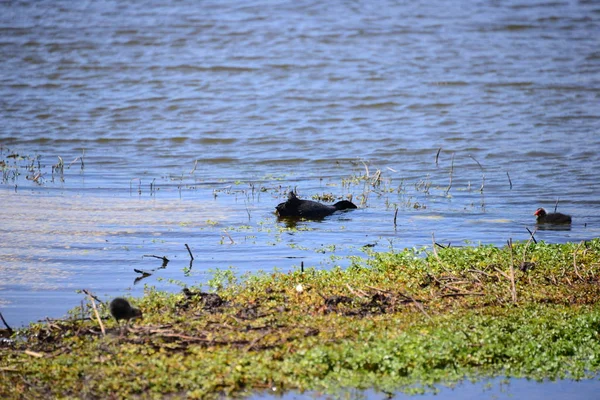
x=489 y=389
x=553 y=227
x=292 y=222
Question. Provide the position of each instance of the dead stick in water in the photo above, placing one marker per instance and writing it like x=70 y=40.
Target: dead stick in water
x=437 y=156
x=531 y=234
x=366 y=168
x=509 y=181
x=473 y=158
x=152 y=255
x=482 y=183
x=556 y=205
x=10 y=330
x=395 y=216
x=189 y=251
x=229 y=236
x=164 y=259
x=451 y=171
x=195 y=165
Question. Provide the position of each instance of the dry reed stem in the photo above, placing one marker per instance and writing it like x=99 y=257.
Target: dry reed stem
x=366 y=168
x=229 y=236
x=434 y=249
x=33 y=354
x=575 y=261
x=194 y=169
x=457 y=294
x=451 y=172
x=482 y=183
x=512 y=273
x=362 y=295
x=529 y=241
x=96 y=312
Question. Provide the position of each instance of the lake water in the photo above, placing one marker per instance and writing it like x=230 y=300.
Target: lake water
x=490 y=389
x=187 y=122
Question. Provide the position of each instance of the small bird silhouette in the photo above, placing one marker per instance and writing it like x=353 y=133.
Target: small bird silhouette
x=294 y=207
x=121 y=309
x=553 y=218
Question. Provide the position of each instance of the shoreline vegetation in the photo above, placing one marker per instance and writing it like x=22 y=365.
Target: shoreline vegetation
x=392 y=321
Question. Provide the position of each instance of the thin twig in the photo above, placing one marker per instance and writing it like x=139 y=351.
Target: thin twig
x=509 y=181
x=366 y=168
x=356 y=292
x=434 y=249
x=473 y=158
x=165 y=260
x=72 y=162
x=512 y=273
x=480 y=272
x=575 y=261
x=257 y=339
x=456 y=294
x=527 y=244
x=437 y=156
x=34 y=354
x=378 y=289
x=189 y=251
x=502 y=273
x=229 y=236
x=247 y=209
x=395 y=216
x=10 y=330
x=451 y=171
x=95 y=311
x=195 y=165
x=556 y=205
x=531 y=234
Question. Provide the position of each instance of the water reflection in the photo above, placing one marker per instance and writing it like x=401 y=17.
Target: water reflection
x=553 y=227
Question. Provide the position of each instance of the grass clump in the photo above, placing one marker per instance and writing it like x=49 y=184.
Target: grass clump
x=393 y=321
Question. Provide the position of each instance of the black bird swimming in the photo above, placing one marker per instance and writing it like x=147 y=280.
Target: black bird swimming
x=552 y=218
x=294 y=207
x=121 y=309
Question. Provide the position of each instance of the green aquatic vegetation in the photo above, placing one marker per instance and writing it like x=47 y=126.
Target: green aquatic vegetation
x=391 y=321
